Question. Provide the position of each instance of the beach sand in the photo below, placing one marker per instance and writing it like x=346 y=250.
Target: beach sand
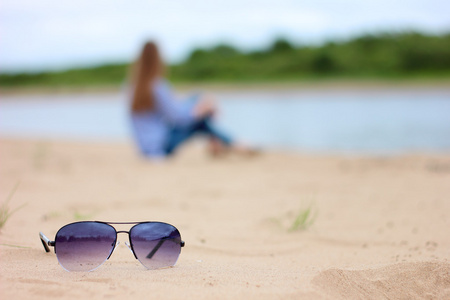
x=379 y=225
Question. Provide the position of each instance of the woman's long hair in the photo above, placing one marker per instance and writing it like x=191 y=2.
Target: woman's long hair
x=146 y=69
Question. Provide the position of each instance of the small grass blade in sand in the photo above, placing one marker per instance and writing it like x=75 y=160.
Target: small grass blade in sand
x=304 y=219
x=5 y=212
x=78 y=216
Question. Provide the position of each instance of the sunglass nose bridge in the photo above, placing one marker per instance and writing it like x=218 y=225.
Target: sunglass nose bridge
x=126 y=243
x=129 y=247
x=123 y=231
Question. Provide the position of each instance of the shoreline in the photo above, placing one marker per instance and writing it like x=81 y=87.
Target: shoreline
x=329 y=85
x=197 y=143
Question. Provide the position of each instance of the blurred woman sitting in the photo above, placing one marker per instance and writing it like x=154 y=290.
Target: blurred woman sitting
x=160 y=122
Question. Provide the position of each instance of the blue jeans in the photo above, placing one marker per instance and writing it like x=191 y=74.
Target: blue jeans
x=178 y=135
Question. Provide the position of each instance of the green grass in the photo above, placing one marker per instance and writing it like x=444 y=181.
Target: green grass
x=5 y=211
x=304 y=219
x=78 y=216
x=297 y=220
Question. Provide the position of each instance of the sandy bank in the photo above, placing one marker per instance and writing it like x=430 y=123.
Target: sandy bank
x=380 y=226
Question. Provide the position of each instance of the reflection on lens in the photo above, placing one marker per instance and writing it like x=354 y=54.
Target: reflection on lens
x=156 y=245
x=84 y=246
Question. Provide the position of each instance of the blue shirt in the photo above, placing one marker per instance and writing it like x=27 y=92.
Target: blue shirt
x=152 y=128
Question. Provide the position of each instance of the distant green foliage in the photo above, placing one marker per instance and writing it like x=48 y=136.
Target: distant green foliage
x=384 y=55
x=95 y=76
x=281 y=46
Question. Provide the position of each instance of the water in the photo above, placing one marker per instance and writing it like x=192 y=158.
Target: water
x=391 y=121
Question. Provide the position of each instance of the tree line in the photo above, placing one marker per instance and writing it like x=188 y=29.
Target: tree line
x=403 y=54
x=383 y=55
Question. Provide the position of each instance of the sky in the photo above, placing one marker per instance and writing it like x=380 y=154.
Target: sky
x=54 y=34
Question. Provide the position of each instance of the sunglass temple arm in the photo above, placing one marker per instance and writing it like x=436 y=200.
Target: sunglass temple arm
x=46 y=242
x=156 y=248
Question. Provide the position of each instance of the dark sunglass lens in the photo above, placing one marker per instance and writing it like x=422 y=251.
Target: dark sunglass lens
x=84 y=246
x=156 y=245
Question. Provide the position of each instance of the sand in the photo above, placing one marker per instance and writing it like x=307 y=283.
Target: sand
x=379 y=226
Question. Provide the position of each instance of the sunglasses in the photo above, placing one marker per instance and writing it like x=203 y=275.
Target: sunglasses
x=84 y=246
